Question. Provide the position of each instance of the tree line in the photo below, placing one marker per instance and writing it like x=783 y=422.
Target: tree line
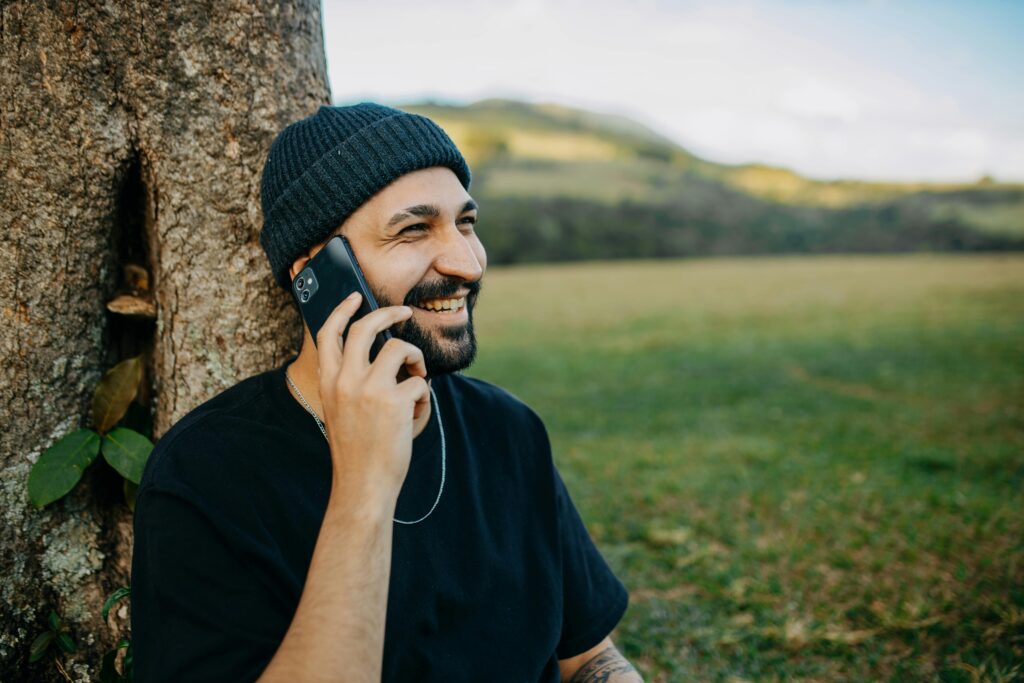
x=717 y=221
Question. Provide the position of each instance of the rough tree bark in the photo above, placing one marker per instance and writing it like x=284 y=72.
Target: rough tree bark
x=129 y=131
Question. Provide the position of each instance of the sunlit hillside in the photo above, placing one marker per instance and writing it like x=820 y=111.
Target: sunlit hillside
x=497 y=129
x=566 y=184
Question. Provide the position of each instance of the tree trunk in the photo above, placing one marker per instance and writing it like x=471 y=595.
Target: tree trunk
x=130 y=132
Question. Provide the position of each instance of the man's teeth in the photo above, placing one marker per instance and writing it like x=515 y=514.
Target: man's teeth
x=443 y=304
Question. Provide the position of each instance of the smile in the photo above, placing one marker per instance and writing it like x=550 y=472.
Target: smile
x=443 y=306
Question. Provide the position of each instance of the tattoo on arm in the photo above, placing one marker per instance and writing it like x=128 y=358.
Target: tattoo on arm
x=608 y=666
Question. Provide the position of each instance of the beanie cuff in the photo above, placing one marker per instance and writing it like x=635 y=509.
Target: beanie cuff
x=341 y=181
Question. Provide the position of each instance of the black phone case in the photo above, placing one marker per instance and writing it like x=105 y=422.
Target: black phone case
x=327 y=279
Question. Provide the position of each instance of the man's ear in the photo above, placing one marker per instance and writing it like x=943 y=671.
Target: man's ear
x=298 y=265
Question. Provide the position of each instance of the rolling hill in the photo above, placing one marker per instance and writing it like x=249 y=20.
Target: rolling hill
x=558 y=183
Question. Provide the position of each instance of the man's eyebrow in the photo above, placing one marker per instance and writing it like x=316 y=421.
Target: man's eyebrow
x=429 y=210
x=425 y=210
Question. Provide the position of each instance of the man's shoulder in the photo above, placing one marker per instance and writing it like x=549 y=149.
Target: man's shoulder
x=487 y=394
x=483 y=397
x=210 y=434
x=243 y=401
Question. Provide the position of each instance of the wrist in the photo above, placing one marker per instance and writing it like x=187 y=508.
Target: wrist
x=371 y=504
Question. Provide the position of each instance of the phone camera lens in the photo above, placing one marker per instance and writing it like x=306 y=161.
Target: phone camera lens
x=300 y=282
x=305 y=295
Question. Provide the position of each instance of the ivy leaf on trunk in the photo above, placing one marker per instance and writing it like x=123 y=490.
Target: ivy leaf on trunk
x=61 y=465
x=126 y=451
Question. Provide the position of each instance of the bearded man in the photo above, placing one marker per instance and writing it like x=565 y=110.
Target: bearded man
x=342 y=519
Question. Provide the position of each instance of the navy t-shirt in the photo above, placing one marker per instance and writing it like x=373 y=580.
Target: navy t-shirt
x=499 y=583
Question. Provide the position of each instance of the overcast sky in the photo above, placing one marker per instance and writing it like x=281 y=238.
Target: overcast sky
x=905 y=90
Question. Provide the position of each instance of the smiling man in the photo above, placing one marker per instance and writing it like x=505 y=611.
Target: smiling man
x=336 y=519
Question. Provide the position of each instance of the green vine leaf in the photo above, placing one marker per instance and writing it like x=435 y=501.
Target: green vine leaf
x=40 y=645
x=126 y=450
x=54 y=620
x=127 y=665
x=61 y=465
x=115 y=393
x=114 y=598
x=65 y=643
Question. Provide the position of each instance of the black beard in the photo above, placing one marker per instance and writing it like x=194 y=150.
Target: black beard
x=440 y=360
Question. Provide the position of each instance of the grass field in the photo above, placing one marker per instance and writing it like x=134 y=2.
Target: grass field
x=802 y=468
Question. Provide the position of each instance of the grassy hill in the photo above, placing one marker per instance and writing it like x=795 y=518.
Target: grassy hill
x=564 y=184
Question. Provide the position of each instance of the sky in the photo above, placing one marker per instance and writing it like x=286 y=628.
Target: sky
x=859 y=89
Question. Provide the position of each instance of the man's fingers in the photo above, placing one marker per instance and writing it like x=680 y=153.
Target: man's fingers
x=328 y=344
x=422 y=406
x=394 y=355
x=415 y=389
x=362 y=332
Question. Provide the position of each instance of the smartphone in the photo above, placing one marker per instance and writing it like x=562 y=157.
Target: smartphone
x=327 y=279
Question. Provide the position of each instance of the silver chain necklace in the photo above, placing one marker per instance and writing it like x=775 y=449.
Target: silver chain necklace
x=440 y=426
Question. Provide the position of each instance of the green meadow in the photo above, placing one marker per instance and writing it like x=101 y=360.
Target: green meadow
x=803 y=468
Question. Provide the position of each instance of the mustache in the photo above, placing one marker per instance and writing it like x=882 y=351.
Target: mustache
x=445 y=288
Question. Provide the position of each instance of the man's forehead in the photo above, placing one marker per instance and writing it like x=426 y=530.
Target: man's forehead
x=419 y=187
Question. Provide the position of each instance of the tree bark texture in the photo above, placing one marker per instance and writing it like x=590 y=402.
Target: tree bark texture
x=129 y=131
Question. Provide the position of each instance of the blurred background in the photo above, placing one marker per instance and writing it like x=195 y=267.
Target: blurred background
x=759 y=267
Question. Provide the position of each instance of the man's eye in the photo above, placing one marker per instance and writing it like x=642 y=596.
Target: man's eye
x=471 y=220
x=417 y=227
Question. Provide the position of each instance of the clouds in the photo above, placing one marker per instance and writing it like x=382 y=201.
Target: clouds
x=786 y=84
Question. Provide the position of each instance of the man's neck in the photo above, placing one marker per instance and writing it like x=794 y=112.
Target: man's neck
x=304 y=371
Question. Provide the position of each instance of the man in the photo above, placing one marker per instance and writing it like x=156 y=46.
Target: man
x=335 y=520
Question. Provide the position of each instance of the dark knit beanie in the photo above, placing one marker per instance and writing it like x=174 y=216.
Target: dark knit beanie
x=321 y=169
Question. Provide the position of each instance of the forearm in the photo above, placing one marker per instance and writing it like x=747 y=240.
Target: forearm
x=337 y=633
x=608 y=666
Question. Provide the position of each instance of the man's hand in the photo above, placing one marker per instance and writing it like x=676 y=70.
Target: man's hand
x=337 y=632
x=369 y=415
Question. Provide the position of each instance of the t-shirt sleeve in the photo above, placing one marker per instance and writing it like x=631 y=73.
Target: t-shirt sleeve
x=199 y=612
x=593 y=597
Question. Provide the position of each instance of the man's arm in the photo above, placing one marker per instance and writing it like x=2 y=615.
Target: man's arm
x=337 y=632
x=600 y=664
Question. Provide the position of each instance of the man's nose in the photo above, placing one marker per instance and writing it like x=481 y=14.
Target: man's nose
x=456 y=257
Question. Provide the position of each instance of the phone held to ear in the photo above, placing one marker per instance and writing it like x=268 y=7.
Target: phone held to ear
x=327 y=279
